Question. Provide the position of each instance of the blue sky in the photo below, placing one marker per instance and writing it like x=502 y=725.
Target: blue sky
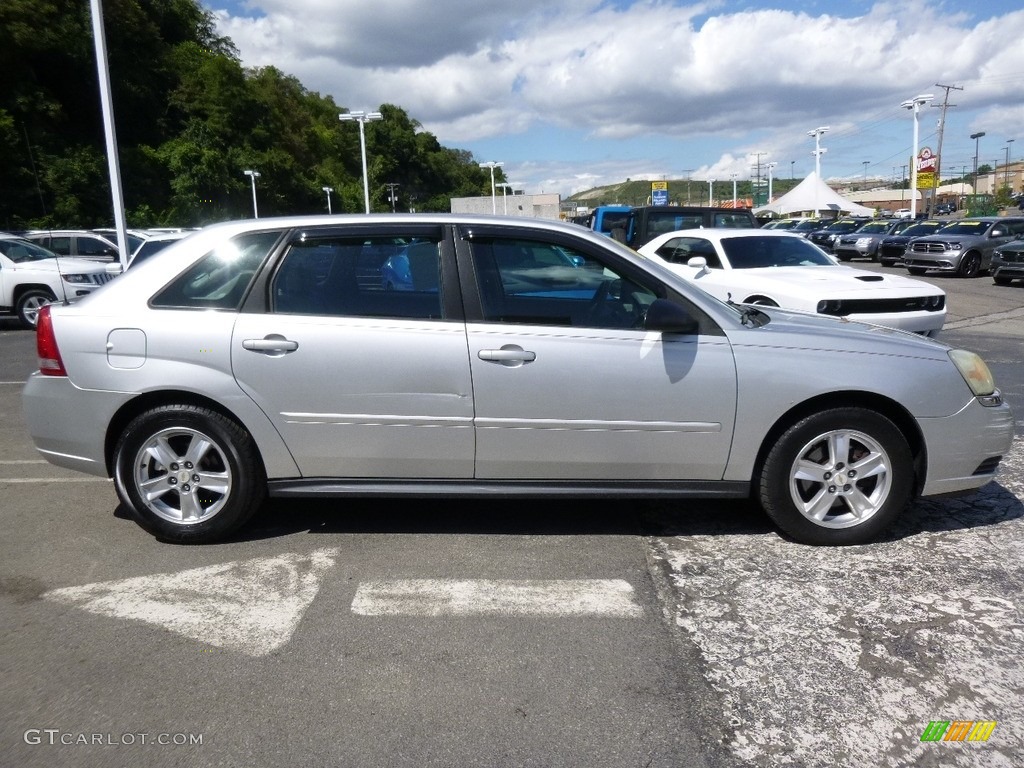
x=574 y=95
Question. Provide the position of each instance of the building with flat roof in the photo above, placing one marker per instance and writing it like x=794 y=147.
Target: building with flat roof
x=544 y=206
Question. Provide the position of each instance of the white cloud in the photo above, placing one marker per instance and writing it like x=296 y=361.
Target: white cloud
x=758 y=78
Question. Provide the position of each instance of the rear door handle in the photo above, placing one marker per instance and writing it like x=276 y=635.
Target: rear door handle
x=509 y=355
x=273 y=345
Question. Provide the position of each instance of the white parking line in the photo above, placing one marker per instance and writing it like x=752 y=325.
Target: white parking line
x=249 y=606
x=477 y=597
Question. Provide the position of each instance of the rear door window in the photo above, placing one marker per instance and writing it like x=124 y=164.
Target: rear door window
x=360 y=276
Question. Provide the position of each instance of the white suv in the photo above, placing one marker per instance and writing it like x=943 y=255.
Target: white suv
x=31 y=276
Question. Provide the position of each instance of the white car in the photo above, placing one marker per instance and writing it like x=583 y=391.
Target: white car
x=32 y=276
x=754 y=266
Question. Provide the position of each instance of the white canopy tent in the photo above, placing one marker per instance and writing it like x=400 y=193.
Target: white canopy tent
x=810 y=195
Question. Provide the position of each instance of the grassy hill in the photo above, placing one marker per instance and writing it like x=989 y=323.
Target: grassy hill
x=680 y=192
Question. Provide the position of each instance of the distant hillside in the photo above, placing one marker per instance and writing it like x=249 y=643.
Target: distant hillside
x=680 y=192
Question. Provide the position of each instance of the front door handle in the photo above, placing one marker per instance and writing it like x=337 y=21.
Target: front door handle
x=509 y=355
x=273 y=345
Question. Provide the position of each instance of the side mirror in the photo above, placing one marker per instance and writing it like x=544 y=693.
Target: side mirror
x=700 y=264
x=998 y=232
x=667 y=317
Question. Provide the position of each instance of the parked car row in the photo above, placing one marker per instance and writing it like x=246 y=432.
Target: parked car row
x=963 y=247
x=32 y=276
x=98 y=244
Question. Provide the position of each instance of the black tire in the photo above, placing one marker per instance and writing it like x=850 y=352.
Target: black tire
x=802 y=473
x=918 y=271
x=213 y=474
x=888 y=262
x=1002 y=280
x=843 y=256
x=970 y=265
x=29 y=304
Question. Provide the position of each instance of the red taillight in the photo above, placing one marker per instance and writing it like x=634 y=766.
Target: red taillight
x=50 y=363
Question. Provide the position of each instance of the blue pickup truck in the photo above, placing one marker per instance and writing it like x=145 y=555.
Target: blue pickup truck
x=636 y=226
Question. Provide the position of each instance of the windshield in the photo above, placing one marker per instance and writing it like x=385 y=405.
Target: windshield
x=924 y=228
x=967 y=228
x=843 y=226
x=808 y=225
x=875 y=226
x=21 y=251
x=757 y=252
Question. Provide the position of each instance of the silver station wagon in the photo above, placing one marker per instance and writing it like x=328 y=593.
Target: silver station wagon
x=513 y=357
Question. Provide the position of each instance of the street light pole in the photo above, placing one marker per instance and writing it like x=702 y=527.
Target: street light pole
x=328 y=190
x=1006 y=170
x=494 y=199
x=865 y=163
x=362 y=118
x=770 y=166
x=733 y=177
x=818 y=152
x=253 y=175
x=504 y=195
x=976 y=136
x=915 y=105
x=711 y=192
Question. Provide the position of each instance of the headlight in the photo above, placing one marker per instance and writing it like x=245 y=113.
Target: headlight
x=76 y=278
x=830 y=307
x=977 y=375
x=956 y=246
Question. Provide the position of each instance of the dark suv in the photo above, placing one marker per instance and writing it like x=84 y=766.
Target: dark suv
x=964 y=247
x=892 y=248
x=826 y=237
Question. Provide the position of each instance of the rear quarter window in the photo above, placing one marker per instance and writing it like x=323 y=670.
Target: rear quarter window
x=221 y=278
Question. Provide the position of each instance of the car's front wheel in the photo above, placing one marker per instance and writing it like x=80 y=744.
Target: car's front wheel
x=29 y=304
x=837 y=477
x=970 y=265
x=188 y=474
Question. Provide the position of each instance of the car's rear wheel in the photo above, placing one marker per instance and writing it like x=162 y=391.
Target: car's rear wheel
x=888 y=262
x=188 y=474
x=837 y=477
x=918 y=271
x=970 y=265
x=29 y=304
x=998 y=280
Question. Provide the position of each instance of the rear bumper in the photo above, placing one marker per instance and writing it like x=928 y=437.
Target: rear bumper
x=69 y=425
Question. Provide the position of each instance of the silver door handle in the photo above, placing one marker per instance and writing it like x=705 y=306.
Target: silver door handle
x=275 y=343
x=507 y=355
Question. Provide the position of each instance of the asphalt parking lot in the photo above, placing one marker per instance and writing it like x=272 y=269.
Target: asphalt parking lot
x=365 y=633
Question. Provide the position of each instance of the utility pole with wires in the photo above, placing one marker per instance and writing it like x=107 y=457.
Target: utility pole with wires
x=942 y=127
